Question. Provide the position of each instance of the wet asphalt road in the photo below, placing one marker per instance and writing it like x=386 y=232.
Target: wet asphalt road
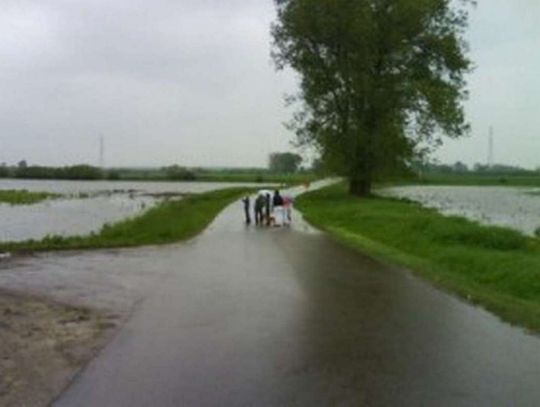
x=278 y=317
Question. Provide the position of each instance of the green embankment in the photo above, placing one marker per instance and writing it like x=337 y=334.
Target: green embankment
x=264 y=177
x=234 y=176
x=495 y=267
x=171 y=221
x=24 y=197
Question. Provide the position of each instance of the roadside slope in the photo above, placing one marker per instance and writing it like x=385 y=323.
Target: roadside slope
x=43 y=344
x=492 y=266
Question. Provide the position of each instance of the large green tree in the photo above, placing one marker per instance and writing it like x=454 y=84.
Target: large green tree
x=381 y=80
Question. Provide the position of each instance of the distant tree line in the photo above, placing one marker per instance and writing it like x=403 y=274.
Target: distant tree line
x=280 y=165
x=76 y=172
x=4 y=171
x=178 y=173
x=284 y=162
x=73 y=172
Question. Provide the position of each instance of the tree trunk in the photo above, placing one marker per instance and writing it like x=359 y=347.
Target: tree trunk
x=361 y=175
x=360 y=186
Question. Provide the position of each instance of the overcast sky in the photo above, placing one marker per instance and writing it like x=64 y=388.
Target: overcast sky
x=191 y=82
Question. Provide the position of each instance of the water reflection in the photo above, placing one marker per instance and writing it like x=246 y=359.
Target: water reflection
x=87 y=205
x=93 y=187
x=68 y=217
x=516 y=208
x=375 y=335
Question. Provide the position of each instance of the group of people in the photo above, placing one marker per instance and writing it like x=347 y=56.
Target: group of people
x=269 y=209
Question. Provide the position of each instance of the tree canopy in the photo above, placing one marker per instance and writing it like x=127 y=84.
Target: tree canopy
x=284 y=162
x=381 y=80
x=178 y=173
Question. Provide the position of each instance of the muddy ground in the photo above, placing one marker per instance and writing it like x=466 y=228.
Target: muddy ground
x=43 y=344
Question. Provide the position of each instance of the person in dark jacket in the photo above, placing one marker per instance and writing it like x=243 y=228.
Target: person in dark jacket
x=278 y=199
x=260 y=203
x=268 y=209
x=277 y=210
x=246 y=202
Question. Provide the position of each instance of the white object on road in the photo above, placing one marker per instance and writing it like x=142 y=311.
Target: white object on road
x=279 y=216
x=288 y=202
x=265 y=192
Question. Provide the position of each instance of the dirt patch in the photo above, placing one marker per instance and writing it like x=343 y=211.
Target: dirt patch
x=42 y=346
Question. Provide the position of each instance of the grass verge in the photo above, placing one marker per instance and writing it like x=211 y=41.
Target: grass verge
x=170 y=221
x=24 y=197
x=264 y=177
x=494 y=267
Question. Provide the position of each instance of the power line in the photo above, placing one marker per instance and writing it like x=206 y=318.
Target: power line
x=491 y=148
x=101 y=151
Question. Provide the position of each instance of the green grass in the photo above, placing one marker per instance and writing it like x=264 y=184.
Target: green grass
x=258 y=177
x=495 y=267
x=171 y=221
x=24 y=197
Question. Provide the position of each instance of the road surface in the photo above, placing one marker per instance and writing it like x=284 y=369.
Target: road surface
x=245 y=316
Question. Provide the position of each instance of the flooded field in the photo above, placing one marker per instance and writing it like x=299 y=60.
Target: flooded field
x=86 y=205
x=96 y=187
x=517 y=208
x=68 y=217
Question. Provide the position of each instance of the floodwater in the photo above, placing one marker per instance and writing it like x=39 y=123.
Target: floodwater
x=247 y=316
x=93 y=187
x=513 y=207
x=105 y=202
x=68 y=217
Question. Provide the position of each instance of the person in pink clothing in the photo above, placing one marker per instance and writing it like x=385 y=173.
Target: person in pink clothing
x=287 y=206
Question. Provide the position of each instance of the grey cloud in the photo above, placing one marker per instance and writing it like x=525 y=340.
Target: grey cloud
x=190 y=81
x=165 y=81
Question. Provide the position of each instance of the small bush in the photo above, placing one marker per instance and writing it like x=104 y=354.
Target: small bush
x=24 y=197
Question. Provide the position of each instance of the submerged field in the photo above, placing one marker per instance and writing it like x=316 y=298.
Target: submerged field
x=24 y=197
x=496 y=267
x=513 y=207
x=170 y=221
x=84 y=207
x=473 y=179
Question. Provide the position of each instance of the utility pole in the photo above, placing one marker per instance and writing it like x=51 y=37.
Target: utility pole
x=101 y=151
x=490 y=147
